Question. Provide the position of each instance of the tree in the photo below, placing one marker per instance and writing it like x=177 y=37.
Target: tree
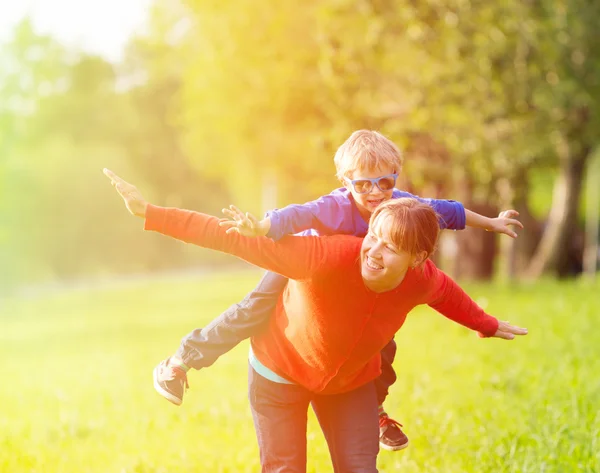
x=501 y=86
x=571 y=95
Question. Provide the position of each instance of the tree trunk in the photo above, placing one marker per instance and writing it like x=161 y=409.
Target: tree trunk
x=590 y=259
x=522 y=249
x=476 y=248
x=553 y=254
x=269 y=191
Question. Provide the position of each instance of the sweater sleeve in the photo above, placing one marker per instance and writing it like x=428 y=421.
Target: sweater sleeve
x=451 y=213
x=452 y=302
x=294 y=257
x=327 y=215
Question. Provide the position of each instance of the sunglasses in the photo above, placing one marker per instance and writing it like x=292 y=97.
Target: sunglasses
x=364 y=186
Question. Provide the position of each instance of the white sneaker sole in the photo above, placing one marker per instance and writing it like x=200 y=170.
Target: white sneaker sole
x=166 y=394
x=393 y=449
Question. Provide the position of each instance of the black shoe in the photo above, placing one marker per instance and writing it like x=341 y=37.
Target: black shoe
x=391 y=436
x=170 y=382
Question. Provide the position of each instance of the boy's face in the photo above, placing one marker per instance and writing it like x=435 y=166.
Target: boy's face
x=368 y=202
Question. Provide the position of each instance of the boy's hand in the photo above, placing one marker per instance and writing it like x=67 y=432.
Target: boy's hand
x=507 y=331
x=134 y=201
x=504 y=221
x=245 y=224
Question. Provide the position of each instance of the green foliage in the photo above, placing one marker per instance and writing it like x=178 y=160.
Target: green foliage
x=229 y=102
x=81 y=395
x=489 y=81
x=64 y=118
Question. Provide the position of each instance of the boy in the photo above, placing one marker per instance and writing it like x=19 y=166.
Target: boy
x=368 y=165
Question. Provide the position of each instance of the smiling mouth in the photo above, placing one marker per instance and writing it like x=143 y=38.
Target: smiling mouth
x=373 y=265
x=375 y=202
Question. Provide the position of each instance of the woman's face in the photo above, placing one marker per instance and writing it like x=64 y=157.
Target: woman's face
x=383 y=264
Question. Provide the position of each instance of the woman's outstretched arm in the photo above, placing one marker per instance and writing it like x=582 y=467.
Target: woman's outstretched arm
x=449 y=299
x=293 y=257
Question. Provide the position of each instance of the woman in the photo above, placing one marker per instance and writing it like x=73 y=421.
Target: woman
x=346 y=298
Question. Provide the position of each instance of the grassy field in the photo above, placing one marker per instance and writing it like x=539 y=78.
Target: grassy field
x=77 y=391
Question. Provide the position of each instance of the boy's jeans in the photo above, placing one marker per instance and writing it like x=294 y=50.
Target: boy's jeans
x=203 y=346
x=348 y=420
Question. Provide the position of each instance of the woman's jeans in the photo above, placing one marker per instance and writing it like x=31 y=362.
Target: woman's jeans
x=349 y=422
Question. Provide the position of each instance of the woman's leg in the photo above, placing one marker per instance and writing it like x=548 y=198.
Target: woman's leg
x=351 y=427
x=279 y=412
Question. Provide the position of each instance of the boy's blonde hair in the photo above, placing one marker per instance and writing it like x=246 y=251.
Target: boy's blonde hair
x=366 y=149
x=414 y=226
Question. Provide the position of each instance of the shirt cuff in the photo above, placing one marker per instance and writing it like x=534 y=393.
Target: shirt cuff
x=155 y=218
x=274 y=232
x=489 y=327
x=461 y=221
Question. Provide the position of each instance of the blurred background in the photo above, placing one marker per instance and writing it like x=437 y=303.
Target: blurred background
x=203 y=103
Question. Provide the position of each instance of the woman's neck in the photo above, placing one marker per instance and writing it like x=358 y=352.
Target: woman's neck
x=384 y=286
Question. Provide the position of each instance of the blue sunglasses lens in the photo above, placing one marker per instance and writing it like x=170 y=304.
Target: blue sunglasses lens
x=363 y=186
x=386 y=183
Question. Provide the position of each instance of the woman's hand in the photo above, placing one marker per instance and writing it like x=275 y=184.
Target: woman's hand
x=245 y=224
x=508 y=331
x=134 y=201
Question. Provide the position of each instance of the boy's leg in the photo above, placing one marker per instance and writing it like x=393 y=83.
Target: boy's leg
x=203 y=346
x=349 y=422
x=391 y=436
x=388 y=375
x=279 y=412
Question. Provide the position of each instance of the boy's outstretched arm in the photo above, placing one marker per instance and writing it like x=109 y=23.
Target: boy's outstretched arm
x=244 y=223
x=501 y=224
x=328 y=215
x=454 y=216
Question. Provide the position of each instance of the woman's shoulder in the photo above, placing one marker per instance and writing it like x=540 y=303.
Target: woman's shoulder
x=345 y=243
x=425 y=276
x=340 y=252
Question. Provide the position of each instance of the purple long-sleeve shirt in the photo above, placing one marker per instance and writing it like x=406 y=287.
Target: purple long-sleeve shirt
x=337 y=213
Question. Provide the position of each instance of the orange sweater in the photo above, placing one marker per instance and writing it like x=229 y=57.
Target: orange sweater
x=328 y=328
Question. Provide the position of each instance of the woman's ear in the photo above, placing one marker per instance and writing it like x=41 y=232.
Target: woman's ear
x=419 y=259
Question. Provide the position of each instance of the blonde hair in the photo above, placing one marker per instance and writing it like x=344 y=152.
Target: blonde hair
x=366 y=149
x=414 y=227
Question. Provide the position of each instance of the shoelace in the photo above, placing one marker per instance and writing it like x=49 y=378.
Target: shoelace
x=386 y=421
x=181 y=374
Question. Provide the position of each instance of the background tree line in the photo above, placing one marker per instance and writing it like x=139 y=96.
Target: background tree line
x=496 y=105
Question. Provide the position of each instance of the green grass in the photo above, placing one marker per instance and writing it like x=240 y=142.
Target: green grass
x=77 y=392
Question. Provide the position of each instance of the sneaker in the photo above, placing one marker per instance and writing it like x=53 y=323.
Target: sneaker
x=170 y=382
x=391 y=436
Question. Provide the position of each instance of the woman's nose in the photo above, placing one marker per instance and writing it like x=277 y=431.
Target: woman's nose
x=375 y=250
